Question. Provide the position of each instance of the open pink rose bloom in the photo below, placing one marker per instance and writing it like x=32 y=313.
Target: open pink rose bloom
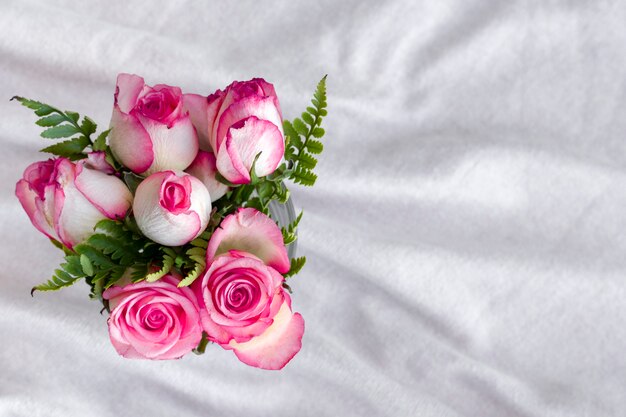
x=180 y=220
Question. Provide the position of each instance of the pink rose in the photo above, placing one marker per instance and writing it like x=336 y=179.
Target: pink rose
x=172 y=208
x=238 y=124
x=150 y=130
x=153 y=320
x=204 y=168
x=65 y=200
x=243 y=306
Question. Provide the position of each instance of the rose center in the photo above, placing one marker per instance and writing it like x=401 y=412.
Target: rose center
x=41 y=177
x=157 y=105
x=239 y=296
x=175 y=198
x=155 y=319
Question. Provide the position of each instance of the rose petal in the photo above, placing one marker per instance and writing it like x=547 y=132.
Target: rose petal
x=130 y=142
x=277 y=345
x=214 y=105
x=77 y=215
x=268 y=90
x=197 y=105
x=251 y=231
x=109 y=194
x=263 y=108
x=204 y=168
x=28 y=199
x=246 y=140
x=163 y=226
x=181 y=331
x=175 y=146
x=127 y=90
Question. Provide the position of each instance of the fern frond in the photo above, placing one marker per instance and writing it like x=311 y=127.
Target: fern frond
x=296 y=266
x=168 y=263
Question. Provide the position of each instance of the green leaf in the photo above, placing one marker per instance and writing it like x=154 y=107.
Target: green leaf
x=301 y=147
x=192 y=276
x=61 y=131
x=255 y=202
x=88 y=126
x=253 y=177
x=289 y=129
x=39 y=108
x=199 y=242
x=282 y=194
x=68 y=148
x=61 y=246
x=296 y=266
x=223 y=180
x=52 y=120
x=100 y=143
x=168 y=263
x=132 y=181
x=314 y=146
x=308 y=118
x=290 y=232
x=307 y=160
x=304 y=176
x=73 y=265
x=318 y=132
x=72 y=115
x=95 y=256
x=85 y=263
x=59 y=280
x=44 y=110
x=300 y=127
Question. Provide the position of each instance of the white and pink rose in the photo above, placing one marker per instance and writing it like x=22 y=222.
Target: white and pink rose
x=150 y=129
x=65 y=200
x=238 y=124
x=243 y=305
x=153 y=320
x=172 y=208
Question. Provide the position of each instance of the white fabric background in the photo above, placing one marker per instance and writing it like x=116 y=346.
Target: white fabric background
x=465 y=239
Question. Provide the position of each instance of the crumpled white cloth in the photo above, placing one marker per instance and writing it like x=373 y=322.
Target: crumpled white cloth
x=466 y=238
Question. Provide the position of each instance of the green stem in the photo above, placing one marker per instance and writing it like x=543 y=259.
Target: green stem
x=202 y=346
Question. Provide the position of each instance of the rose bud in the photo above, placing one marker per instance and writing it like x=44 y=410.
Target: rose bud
x=238 y=124
x=204 y=168
x=243 y=306
x=150 y=129
x=172 y=208
x=65 y=200
x=154 y=320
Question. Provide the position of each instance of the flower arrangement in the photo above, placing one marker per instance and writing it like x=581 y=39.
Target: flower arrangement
x=167 y=215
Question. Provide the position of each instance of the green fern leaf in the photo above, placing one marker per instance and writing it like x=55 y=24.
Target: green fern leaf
x=68 y=148
x=168 y=263
x=304 y=176
x=192 y=276
x=307 y=160
x=61 y=131
x=59 y=280
x=308 y=118
x=300 y=127
x=52 y=120
x=314 y=146
x=296 y=266
x=318 y=132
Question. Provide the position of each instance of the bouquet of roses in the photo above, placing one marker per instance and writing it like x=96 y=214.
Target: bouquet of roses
x=178 y=216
